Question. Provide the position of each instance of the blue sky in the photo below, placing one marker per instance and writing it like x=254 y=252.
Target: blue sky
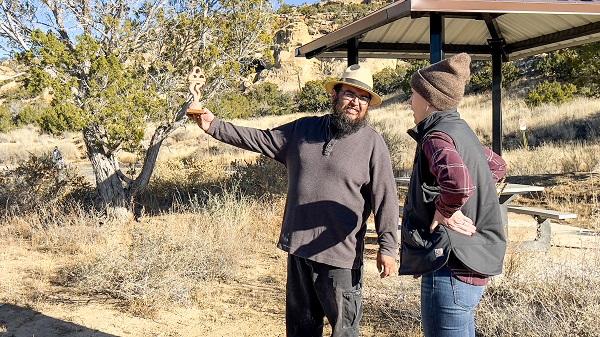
x=300 y=2
x=4 y=53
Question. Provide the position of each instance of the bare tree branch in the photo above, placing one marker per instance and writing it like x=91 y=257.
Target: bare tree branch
x=12 y=27
x=58 y=18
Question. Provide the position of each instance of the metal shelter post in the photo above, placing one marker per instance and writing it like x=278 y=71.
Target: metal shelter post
x=497 y=54
x=436 y=37
x=352 y=51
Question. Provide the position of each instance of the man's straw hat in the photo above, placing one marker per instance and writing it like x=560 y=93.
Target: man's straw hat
x=359 y=77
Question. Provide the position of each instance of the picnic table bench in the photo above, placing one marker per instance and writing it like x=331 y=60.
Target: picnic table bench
x=506 y=193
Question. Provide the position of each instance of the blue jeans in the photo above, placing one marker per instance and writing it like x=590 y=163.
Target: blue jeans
x=448 y=305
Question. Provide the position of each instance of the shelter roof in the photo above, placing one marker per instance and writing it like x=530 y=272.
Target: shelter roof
x=401 y=29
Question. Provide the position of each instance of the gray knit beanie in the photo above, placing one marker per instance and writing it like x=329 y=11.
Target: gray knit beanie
x=442 y=84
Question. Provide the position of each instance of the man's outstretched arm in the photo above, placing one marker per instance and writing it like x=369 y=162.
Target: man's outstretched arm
x=270 y=142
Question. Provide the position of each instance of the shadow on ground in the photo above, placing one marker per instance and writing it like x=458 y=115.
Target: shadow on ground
x=568 y=130
x=17 y=321
x=549 y=180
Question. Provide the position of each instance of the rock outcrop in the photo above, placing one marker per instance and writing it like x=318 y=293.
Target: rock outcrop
x=290 y=73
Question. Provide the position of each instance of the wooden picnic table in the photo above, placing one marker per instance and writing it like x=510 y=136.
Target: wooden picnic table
x=507 y=193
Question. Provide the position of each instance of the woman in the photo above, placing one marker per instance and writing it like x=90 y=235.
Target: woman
x=452 y=231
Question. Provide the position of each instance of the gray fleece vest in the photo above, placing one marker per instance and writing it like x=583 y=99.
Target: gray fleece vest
x=422 y=251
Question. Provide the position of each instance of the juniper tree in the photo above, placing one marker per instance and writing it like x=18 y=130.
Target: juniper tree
x=115 y=65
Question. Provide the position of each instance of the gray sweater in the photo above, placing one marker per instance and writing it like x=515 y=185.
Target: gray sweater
x=333 y=186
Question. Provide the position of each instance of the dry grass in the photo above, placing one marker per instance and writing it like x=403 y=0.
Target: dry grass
x=554 y=158
x=211 y=206
x=17 y=145
x=544 y=295
x=151 y=264
x=55 y=230
x=539 y=294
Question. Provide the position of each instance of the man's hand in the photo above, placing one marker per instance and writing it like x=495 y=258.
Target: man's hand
x=457 y=222
x=385 y=265
x=203 y=119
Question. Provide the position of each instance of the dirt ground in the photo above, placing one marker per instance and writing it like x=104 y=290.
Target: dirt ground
x=250 y=305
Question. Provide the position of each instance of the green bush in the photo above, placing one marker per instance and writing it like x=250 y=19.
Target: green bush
x=309 y=11
x=6 y=123
x=388 y=80
x=61 y=118
x=51 y=119
x=266 y=99
x=285 y=9
x=589 y=68
x=29 y=114
x=414 y=65
x=262 y=100
x=579 y=66
x=313 y=97
x=560 y=65
x=550 y=92
x=481 y=78
x=232 y=105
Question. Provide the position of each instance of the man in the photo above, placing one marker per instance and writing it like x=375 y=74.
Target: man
x=339 y=171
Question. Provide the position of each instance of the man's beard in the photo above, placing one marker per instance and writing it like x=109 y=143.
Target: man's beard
x=342 y=125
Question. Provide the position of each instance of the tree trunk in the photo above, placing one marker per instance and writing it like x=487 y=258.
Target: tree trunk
x=160 y=134
x=115 y=189
x=110 y=187
x=113 y=195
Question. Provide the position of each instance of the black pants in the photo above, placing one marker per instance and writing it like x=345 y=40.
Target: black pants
x=314 y=291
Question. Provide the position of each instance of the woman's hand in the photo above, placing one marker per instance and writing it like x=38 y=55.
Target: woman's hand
x=457 y=222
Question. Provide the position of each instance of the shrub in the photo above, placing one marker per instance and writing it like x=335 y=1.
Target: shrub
x=61 y=118
x=263 y=178
x=399 y=145
x=37 y=181
x=232 y=105
x=51 y=119
x=541 y=297
x=550 y=92
x=589 y=64
x=286 y=9
x=388 y=80
x=313 y=97
x=267 y=99
x=412 y=68
x=152 y=264
x=309 y=11
x=262 y=100
x=578 y=65
x=481 y=79
x=560 y=65
x=6 y=122
x=29 y=114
